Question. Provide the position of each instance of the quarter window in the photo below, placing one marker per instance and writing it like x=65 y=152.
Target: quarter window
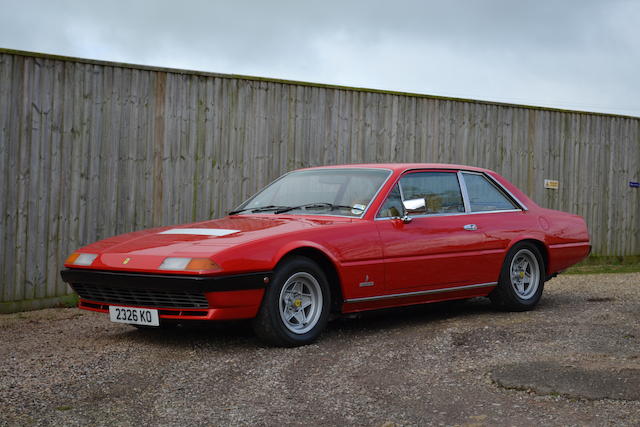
x=392 y=207
x=484 y=196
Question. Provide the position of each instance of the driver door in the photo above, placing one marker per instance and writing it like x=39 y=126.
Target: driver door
x=438 y=246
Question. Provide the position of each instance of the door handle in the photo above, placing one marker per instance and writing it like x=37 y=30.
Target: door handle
x=470 y=227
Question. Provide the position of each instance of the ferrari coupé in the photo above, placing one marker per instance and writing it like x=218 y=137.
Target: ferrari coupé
x=335 y=239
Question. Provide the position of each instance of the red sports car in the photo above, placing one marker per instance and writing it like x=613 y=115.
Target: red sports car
x=338 y=239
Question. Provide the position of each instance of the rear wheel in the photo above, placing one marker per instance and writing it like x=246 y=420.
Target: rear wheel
x=295 y=307
x=521 y=279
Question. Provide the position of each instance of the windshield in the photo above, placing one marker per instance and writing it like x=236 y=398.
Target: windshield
x=343 y=192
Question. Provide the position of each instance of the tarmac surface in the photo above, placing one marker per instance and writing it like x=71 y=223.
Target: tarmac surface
x=575 y=360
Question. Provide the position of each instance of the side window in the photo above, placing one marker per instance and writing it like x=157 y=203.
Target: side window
x=440 y=191
x=484 y=196
x=392 y=207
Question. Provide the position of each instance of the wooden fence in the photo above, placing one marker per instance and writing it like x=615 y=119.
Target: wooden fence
x=90 y=149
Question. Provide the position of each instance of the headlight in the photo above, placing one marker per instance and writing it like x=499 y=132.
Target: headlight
x=81 y=259
x=190 y=264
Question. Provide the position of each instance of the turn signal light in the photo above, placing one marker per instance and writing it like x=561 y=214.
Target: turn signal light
x=72 y=258
x=201 y=264
x=190 y=264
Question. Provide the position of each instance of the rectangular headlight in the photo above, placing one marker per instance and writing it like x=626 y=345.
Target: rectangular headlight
x=174 y=263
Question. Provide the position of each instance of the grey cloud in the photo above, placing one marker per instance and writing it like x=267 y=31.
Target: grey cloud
x=568 y=53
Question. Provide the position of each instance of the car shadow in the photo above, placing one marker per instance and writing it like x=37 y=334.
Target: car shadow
x=240 y=334
x=391 y=318
x=197 y=334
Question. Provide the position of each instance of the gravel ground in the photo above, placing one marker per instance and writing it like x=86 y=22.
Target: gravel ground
x=575 y=360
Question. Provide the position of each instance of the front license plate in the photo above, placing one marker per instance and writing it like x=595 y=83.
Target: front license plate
x=134 y=316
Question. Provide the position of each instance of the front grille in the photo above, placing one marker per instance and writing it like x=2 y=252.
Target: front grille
x=141 y=297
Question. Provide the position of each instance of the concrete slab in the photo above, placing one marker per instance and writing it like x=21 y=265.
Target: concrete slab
x=570 y=381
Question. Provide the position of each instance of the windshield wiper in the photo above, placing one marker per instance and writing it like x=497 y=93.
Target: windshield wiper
x=258 y=209
x=316 y=205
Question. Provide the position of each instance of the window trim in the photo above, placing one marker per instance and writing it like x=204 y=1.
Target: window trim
x=520 y=207
x=411 y=171
x=361 y=216
x=452 y=171
x=465 y=193
x=501 y=189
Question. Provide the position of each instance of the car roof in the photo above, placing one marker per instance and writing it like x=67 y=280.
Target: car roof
x=401 y=167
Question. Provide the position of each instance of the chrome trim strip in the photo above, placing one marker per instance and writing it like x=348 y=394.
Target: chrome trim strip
x=453 y=214
x=498 y=211
x=418 y=293
x=465 y=197
x=465 y=194
x=500 y=186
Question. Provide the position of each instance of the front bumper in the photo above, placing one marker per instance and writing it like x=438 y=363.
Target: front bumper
x=175 y=296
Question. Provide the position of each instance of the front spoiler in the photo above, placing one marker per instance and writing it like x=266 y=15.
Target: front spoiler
x=120 y=279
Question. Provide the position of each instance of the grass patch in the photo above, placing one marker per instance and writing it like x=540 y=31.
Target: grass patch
x=601 y=269
x=600 y=265
x=70 y=301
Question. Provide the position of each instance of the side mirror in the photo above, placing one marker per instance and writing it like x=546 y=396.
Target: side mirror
x=412 y=206
x=415 y=206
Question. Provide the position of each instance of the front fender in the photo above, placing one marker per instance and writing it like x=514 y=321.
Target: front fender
x=301 y=244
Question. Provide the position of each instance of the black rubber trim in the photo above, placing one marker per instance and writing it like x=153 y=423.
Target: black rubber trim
x=119 y=279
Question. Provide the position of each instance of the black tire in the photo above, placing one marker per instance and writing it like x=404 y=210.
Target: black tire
x=513 y=293
x=296 y=282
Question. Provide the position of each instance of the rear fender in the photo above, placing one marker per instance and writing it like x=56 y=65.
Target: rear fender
x=538 y=241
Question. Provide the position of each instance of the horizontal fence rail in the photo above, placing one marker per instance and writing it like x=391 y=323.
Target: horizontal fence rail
x=91 y=149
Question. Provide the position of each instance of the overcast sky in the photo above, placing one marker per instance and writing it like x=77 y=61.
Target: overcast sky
x=581 y=54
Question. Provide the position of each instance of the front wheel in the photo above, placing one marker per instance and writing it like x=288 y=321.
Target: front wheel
x=521 y=279
x=295 y=307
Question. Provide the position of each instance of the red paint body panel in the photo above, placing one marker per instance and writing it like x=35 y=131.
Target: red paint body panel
x=433 y=252
x=372 y=257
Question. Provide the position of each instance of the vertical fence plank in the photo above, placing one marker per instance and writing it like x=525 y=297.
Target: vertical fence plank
x=7 y=177
x=54 y=250
x=23 y=288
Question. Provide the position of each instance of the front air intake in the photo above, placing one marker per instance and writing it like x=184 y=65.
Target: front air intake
x=141 y=297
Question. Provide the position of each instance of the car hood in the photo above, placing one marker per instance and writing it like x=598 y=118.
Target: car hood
x=145 y=248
